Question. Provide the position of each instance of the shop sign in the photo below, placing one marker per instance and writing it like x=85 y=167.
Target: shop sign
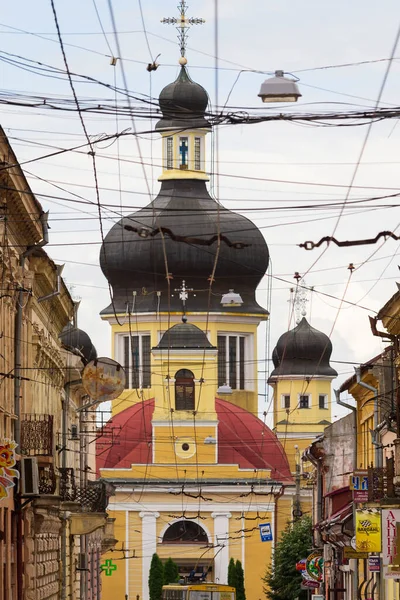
x=315 y=566
x=389 y=519
x=301 y=565
x=349 y=552
x=265 y=532
x=7 y=462
x=374 y=564
x=307 y=584
x=368 y=530
x=359 y=486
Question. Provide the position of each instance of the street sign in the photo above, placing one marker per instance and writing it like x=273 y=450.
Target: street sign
x=265 y=532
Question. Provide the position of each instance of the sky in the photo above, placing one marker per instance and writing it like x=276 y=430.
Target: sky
x=279 y=174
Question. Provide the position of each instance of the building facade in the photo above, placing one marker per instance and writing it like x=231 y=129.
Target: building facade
x=51 y=514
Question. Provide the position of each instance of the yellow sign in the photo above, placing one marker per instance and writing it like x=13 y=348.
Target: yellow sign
x=350 y=553
x=368 y=530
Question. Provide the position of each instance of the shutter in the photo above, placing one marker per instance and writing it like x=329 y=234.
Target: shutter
x=146 y=363
x=221 y=345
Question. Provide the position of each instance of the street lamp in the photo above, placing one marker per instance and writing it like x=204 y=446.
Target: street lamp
x=279 y=89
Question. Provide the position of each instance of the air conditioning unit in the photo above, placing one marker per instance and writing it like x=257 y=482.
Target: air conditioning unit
x=74 y=432
x=82 y=563
x=29 y=476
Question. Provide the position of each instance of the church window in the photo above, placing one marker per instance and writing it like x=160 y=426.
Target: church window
x=197 y=153
x=285 y=401
x=186 y=532
x=136 y=360
x=183 y=152
x=184 y=390
x=304 y=401
x=231 y=361
x=323 y=401
x=170 y=153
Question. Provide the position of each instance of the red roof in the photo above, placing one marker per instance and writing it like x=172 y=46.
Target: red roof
x=242 y=439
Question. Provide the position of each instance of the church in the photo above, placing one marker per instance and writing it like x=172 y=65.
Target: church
x=197 y=475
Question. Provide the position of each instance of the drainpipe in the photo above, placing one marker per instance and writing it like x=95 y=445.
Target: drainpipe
x=17 y=398
x=64 y=439
x=375 y=441
x=354 y=410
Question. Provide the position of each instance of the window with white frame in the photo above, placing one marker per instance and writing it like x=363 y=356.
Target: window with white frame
x=233 y=360
x=304 y=401
x=323 y=400
x=197 y=153
x=134 y=355
x=169 y=153
x=285 y=401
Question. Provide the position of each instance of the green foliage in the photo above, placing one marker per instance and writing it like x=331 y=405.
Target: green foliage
x=156 y=578
x=171 y=572
x=232 y=580
x=240 y=593
x=282 y=581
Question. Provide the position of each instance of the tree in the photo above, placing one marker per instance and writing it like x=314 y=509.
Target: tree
x=240 y=593
x=171 y=572
x=282 y=581
x=232 y=580
x=156 y=578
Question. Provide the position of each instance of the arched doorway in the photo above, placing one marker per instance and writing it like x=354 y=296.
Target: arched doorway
x=184 y=390
x=189 y=533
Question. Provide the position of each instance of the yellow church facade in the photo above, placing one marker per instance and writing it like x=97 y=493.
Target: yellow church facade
x=196 y=472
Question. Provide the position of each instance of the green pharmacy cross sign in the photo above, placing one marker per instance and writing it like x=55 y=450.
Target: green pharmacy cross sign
x=108 y=567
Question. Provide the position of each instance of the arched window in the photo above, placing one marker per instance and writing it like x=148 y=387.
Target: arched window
x=185 y=532
x=184 y=390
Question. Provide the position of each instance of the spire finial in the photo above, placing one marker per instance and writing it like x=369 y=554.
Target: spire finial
x=183 y=25
x=300 y=300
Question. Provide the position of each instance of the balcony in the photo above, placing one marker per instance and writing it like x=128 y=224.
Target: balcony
x=37 y=435
x=92 y=498
x=37 y=440
x=381 y=484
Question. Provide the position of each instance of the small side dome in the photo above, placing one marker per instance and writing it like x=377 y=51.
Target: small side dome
x=78 y=339
x=183 y=104
x=184 y=336
x=303 y=351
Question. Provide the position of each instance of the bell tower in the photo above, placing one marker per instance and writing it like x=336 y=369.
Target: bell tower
x=301 y=381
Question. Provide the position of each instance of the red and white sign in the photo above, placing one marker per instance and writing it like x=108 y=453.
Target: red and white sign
x=389 y=519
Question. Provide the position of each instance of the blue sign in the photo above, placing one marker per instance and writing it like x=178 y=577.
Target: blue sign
x=265 y=532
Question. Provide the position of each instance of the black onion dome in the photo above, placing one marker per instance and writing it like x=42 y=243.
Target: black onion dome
x=78 y=339
x=184 y=336
x=183 y=104
x=135 y=261
x=303 y=351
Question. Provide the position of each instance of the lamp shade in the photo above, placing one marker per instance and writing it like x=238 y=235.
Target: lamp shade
x=231 y=299
x=279 y=89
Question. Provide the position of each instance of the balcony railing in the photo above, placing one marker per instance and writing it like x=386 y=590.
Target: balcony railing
x=381 y=483
x=93 y=497
x=47 y=479
x=37 y=435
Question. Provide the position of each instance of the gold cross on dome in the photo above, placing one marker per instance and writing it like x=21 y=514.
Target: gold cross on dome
x=183 y=25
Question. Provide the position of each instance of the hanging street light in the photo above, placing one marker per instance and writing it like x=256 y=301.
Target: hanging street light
x=279 y=89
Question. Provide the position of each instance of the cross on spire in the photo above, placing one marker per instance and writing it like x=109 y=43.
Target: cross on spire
x=183 y=25
x=183 y=294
